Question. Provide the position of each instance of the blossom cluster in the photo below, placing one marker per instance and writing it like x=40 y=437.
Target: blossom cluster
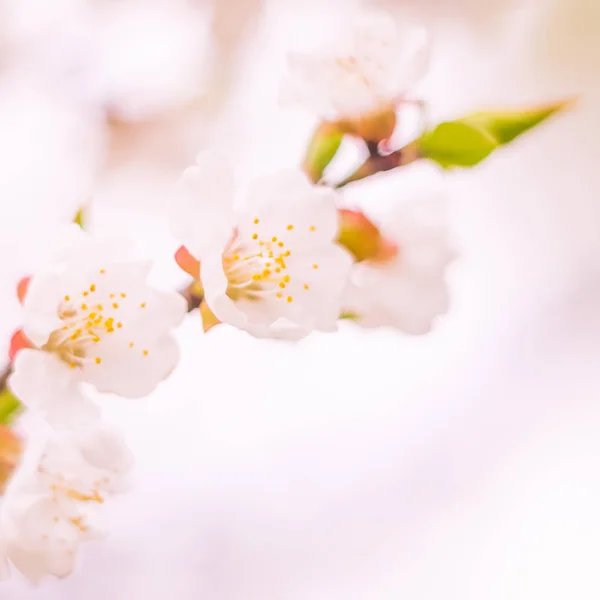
x=279 y=258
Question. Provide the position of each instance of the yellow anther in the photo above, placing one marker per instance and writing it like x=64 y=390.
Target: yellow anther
x=115 y=305
x=123 y=295
x=313 y=228
x=315 y=266
x=92 y=315
x=255 y=236
x=84 y=306
x=278 y=270
x=67 y=298
x=279 y=295
x=286 y=278
x=306 y=286
x=100 y=307
x=131 y=344
x=290 y=299
x=266 y=273
x=72 y=365
x=98 y=360
x=287 y=253
x=85 y=293
x=274 y=239
x=143 y=305
x=119 y=324
x=145 y=352
x=281 y=285
x=290 y=227
x=236 y=257
x=111 y=295
x=256 y=221
x=280 y=244
x=93 y=287
x=102 y=271
x=256 y=277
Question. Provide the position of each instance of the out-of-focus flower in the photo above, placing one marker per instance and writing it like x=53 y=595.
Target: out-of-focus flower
x=409 y=290
x=92 y=317
x=88 y=48
x=361 y=75
x=10 y=454
x=271 y=265
x=51 y=504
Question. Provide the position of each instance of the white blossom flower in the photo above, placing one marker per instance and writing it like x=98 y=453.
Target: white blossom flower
x=410 y=290
x=87 y=47
x=93 y=318
x=368 y=64
x=51 y=504
x=269 y=266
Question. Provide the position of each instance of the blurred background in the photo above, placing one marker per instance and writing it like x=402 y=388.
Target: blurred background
x=368 y=465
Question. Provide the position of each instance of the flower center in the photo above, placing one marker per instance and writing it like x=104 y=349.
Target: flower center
x=87 y=319
x=257 y=268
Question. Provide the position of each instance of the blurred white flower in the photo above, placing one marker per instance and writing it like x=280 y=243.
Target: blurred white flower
x=93 y=317
x=135 y=58
x=368 y=65
x=270 y=266
x=51 y=504
x=408 y=291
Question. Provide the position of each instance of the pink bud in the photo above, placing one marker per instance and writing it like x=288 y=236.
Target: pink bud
x=361 y=237
x=11 y=449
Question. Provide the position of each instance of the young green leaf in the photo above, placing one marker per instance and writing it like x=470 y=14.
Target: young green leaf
x=469 y=140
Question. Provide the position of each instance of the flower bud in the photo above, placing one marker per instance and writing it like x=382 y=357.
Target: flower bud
x=321 y=150
x=362 y=238
x=18 y=341
x=375 y=126
x=11 y=449
x=187 y=262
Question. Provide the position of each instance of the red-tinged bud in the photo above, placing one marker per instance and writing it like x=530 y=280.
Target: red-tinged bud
x=22 y=287
x=187 y=262
x=361 y=237
x=18 y=341
x=209 y=320
x=11 y=449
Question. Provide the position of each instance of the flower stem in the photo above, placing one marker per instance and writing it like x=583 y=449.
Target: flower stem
x=378 y=163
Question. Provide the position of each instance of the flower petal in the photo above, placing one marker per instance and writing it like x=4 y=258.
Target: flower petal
x=133 y=371
x=202 y=213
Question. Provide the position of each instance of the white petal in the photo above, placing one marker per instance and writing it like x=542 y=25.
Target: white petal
x=40 y=314
x=133 y=372
x=202 y=212
x=214 y=283
x=290 y=208
x=40 y=379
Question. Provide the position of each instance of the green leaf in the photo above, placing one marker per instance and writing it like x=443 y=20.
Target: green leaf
x=456 y=144
x=9 y=406
x=321 y=150
x=469 y=140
